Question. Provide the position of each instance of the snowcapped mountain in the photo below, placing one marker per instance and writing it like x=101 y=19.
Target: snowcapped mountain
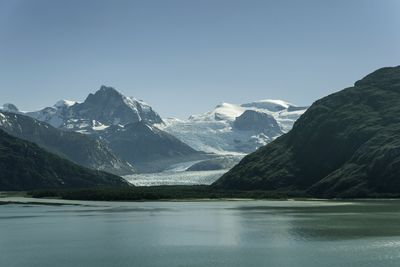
x=138 y=135
x=104 y=108
x=125 y=124
x=235 y=129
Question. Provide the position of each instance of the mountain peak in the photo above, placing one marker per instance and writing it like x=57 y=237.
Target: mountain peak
x=383 y=77
x=105 y=94
x=64 y=103
x=108 y=90
x=106 y=107
x=10 y=108
x=269 y=104
x=110 y=107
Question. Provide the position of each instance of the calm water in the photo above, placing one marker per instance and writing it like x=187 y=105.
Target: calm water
x=235 y=233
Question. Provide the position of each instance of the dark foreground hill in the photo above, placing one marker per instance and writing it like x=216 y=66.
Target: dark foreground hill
x=26 y=166
x=345 y=145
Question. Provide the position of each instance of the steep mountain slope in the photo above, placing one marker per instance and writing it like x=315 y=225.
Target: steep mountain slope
x=231 y=129
x=104 y=108
x=147 y=147
x=25 y=166
x=345 y=145
x=76 y=147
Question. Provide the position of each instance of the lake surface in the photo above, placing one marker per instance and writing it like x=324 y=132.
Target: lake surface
x=220 y=233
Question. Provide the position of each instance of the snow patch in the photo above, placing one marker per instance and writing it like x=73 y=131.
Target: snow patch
x=64 y=103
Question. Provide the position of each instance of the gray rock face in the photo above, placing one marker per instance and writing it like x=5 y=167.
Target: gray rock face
x=139 y=142
x=252 y=120
x=110 y=107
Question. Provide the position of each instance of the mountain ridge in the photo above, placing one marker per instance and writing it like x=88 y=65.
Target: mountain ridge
x=229 y=129
x=345 y=145
x=75 y=147
x=26 y=166
x=107 y=106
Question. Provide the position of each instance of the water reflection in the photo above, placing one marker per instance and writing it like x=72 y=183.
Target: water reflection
x=327 y=222
x=253 y=233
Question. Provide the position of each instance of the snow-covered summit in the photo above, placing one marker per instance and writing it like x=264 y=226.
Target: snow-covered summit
x=101 y=109
x=236 y=128
x=64 y=103
x=223 y=111
x=269 y=104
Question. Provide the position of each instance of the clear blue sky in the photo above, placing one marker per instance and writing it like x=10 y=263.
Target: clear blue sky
x=185 y=56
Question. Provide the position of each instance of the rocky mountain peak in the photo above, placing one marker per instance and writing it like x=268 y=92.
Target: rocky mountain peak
x=104 y=95
x=252 y=120
x=106 y=107
x=10 y=108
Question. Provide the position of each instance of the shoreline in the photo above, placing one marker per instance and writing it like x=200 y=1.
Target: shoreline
x=28 y=200
x=85 y=197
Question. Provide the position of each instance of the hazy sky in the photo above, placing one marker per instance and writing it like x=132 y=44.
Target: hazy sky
x=184 y=56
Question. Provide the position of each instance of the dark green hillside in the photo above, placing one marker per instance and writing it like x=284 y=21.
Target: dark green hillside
x=346 y=145
x=25 y=166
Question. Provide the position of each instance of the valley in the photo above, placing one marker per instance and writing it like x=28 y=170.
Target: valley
x=125 y=136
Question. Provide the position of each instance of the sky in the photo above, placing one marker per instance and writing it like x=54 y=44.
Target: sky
x=184 y=57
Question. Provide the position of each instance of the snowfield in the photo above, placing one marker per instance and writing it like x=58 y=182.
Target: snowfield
x=214 y=131
x=175 y=178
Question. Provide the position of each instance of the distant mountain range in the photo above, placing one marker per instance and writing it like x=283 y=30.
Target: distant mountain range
x=121 y=123
x=26 y=166
x=122 y=132
x=345 y=145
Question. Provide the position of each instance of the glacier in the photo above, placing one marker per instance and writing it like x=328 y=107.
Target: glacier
x=214 y=131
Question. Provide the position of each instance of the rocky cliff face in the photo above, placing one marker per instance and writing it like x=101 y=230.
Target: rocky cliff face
x=257 y=121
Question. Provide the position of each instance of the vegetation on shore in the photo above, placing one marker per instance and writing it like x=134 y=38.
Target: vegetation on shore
x=173 y=192
x=170 y=192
